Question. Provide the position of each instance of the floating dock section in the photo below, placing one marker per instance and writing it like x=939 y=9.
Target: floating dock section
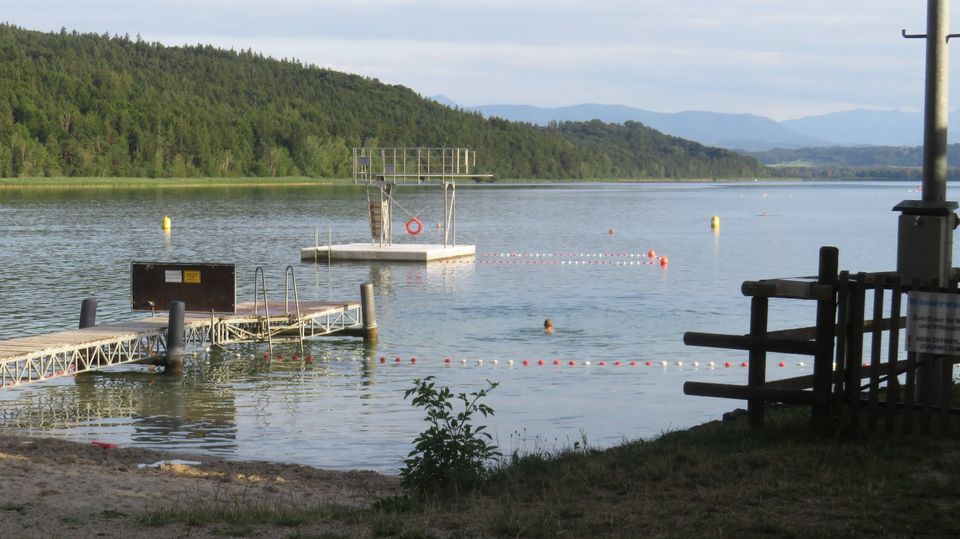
x=36 y=358
x=396 y=252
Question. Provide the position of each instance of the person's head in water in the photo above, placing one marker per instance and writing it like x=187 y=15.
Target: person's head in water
x=548 y=326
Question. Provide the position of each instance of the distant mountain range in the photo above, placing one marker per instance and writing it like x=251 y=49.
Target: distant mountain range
x=747 y=132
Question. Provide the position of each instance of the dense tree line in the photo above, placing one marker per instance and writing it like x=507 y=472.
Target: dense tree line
x=852 y=156
x=853 y=162
x=98 y=105
x=913 y=174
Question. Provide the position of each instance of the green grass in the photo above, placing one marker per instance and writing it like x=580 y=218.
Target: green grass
x=241 y=511
x=154 y=183
x=717 y=480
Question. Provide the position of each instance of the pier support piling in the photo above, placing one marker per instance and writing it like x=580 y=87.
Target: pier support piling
x=88 y=313
x=175 y=334
x=369 y=312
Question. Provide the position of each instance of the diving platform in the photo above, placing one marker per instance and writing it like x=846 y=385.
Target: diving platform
x=382 y=170
x=36 y=358
x=396 y=252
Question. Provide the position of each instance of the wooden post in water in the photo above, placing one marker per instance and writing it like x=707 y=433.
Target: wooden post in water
x=174 y=360
x=369 y=312
x=88 y=313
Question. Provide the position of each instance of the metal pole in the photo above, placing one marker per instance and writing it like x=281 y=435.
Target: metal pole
x=88 y=313
x=370 y=333
x=446 y=214
x=174 y=361
x=453 y=213
x=935 y=105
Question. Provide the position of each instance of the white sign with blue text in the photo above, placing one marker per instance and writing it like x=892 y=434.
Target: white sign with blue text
x=933 y=323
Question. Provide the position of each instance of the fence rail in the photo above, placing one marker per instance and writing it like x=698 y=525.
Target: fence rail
x=858 y=375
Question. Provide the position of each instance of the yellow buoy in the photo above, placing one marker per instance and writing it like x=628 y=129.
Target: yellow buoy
x=166 y=222
x=714 y=222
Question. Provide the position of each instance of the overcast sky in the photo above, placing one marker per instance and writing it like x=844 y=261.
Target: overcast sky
x=778 y=58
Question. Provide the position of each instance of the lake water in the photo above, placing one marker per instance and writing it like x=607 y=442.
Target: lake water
x=543 y=252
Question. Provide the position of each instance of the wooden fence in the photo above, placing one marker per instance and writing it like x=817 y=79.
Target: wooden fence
x=880 y=390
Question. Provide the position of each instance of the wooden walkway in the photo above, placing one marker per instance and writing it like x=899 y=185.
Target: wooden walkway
x=36 y=358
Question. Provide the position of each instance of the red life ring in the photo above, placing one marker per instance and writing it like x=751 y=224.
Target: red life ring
x=414 y=226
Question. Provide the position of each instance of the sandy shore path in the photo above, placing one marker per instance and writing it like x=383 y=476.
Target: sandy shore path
x=56 y=488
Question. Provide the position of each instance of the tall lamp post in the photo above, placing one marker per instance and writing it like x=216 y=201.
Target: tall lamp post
x=925 y=232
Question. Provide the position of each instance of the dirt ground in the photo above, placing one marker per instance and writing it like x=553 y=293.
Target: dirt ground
x=56 y=488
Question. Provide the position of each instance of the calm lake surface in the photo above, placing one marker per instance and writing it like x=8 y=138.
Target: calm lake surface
x=346 y=410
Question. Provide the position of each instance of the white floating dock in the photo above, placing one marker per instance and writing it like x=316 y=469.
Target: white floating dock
x=387 y=253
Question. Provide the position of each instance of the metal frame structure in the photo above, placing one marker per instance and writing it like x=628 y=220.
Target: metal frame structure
x=147 y=340
x=385 y=168
x=414 y=166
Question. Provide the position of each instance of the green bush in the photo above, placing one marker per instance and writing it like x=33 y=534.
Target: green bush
x=451 y=453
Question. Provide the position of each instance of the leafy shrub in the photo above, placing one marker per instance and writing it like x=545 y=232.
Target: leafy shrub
x=451 y=453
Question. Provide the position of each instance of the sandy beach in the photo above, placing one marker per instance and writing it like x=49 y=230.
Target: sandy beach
x=56 y=488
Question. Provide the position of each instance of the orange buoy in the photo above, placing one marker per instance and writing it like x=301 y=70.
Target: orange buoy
x=664 y=261
x=414 y=226
x=651 y=254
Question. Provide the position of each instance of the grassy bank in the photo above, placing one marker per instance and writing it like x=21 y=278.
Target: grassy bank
x=716 y=480
x=154 y=183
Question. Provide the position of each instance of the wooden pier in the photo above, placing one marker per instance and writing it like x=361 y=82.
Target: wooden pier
x=36 y=358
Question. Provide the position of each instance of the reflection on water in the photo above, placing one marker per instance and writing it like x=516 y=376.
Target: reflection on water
x=345 y=409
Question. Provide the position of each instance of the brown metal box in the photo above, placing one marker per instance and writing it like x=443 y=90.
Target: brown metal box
x=202 y=287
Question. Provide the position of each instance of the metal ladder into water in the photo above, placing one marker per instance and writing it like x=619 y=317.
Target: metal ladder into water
x=268 y=326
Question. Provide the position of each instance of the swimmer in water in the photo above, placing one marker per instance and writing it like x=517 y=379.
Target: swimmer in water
x=548 y=326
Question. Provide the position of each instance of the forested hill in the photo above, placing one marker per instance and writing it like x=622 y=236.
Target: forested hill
x=90 y=105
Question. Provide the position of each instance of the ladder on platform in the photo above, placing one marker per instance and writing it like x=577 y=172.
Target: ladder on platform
x=278 y=327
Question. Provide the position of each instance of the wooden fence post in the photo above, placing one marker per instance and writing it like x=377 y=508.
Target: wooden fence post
x=825 y=332
x=757 y=373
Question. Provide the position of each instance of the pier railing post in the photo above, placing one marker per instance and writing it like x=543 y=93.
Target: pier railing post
x=88 y=313
x=369 y=312
x=174 y=360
